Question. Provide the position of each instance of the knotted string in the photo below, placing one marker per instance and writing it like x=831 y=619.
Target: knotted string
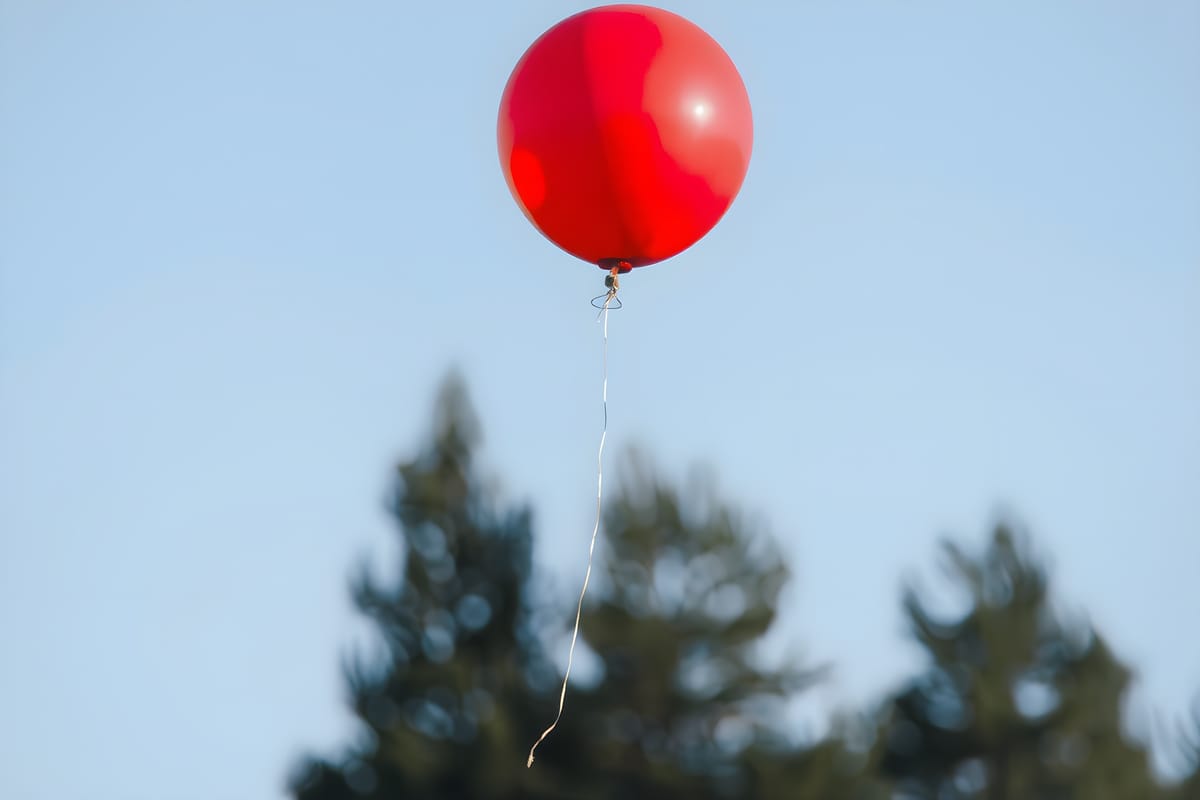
x=587 y=575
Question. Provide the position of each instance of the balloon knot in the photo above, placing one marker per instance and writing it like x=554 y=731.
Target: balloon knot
x=612 y=282
x=613 y=279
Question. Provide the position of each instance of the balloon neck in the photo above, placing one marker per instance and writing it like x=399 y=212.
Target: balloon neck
x=615 y=266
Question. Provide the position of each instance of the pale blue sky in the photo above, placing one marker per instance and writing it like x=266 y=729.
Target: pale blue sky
x=241 y=241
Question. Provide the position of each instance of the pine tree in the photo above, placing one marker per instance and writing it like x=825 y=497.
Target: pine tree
x=681 y=708
x=1017 y=704
x=444 y=711
x=684 y=707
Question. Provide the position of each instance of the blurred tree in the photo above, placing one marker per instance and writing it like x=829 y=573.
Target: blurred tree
x=1016 y=704
x=677 y=705
x=444 y=712
x=683 y=706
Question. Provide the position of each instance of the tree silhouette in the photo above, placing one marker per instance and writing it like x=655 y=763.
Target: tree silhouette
x=444 y=712
x=1016 y=703
x=683 y=707
x=679 y=706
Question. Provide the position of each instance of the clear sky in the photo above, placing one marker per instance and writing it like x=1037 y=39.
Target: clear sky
x=240 y=242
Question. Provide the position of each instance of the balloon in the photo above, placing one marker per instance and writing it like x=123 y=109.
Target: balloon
x=624 y=134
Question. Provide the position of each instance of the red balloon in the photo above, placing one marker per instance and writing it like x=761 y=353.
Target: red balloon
x=624 y=134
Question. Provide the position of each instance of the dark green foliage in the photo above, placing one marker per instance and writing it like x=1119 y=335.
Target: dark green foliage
x=1016 y=702
x=446 y=711
x=685 y=708
x=680 y=708
x=674 y=701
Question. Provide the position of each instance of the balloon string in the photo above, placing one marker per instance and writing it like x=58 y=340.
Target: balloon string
x=587 y=575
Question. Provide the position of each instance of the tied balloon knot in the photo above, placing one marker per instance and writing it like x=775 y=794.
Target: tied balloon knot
x=612 y=282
